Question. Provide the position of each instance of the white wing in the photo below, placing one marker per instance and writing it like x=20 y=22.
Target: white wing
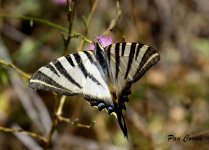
x=77 y=73
x=96 y=90
x=63 y=76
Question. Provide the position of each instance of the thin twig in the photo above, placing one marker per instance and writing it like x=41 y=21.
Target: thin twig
x=27 y=76
x=32 y=134
x=87 y=22
x=54 y=123
x=60 y=107
x=70 y=15
x=76 y=123
x=51 y=133
x=76 y=35
x=51 y=24
x=115 y=20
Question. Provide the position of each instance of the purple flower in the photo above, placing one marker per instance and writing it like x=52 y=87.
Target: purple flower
x=91 y=47
x=103 y=40
x=60 y=2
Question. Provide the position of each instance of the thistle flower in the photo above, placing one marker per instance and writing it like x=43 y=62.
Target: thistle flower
x=103 y=40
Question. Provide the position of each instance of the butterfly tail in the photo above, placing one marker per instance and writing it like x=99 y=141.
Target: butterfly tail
x=122 y=122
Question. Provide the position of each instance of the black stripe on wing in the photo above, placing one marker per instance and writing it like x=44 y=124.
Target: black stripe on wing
x=130 y=60
x=149 y=52
x=138 y=50
x=101 y=58
x=69 y=59
x=108 y=53
x=80 y=64
x=117 y=59
x=52 y=69
x=64 y=72
x=123 y=48
x=145 y=63
x=89 y=56
x=50 y=84
x=83 y=69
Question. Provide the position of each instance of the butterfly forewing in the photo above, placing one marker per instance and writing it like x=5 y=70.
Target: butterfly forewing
x=63 y=76
x=129 y=61
x=77 y=73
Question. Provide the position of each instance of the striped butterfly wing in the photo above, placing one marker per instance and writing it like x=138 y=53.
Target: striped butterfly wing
x=128 y=62
x=58 y=76
x=96 y=89
x=103 y=76
x=77 y=73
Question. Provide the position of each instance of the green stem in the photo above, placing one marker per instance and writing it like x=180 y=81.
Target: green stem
x=27 y=76
x=51 y=24
x=36 y=20
x=75 y=34
x=70 y=15
x=87 y=22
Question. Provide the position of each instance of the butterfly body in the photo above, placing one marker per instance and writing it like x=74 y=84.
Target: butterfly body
x=104 y=76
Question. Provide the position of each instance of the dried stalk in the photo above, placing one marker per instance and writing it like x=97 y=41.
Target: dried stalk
x=32 y=134
x=115 y=20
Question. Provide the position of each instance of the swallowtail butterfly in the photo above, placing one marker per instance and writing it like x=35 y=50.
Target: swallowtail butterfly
x=104 y=76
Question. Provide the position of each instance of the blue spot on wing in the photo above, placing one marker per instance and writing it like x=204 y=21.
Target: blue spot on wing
x=110 y=109
x=101 y=106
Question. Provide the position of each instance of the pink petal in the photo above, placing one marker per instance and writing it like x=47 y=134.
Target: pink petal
x=92 y=47
x=60 y=2
x=103 y=40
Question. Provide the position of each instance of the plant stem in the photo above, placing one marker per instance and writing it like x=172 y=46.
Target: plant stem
x=51 y=24
x=27 y=76
x=115 y=20
x=70 y=15
x=34 y=135
x=61 y=104
x=87 y=22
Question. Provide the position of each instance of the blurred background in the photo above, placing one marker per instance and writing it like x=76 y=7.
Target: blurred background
x=171 y=99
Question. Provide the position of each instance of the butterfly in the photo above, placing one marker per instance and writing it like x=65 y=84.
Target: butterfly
x=104 y=76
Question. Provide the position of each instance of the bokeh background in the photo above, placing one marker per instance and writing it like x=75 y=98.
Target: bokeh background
x=172 y=98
